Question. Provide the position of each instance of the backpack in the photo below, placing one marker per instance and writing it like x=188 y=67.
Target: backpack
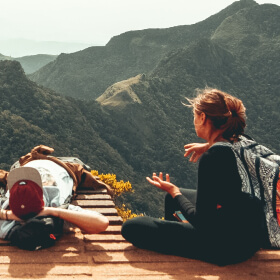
x=36 y=233
x=258 y=168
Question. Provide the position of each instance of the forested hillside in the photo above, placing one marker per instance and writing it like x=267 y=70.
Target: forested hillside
x=31 y=115
x=138 y=124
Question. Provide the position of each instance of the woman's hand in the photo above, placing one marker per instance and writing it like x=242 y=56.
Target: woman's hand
x=195 y=150
x=164 y=185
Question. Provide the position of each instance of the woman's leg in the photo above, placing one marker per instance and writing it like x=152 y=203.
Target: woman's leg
x=162 y=236
x=171 y=206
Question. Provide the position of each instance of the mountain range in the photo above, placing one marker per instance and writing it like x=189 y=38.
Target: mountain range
x=87 y=73
x=119 y=107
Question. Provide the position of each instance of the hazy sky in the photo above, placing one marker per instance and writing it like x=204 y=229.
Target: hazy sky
x=96 y=21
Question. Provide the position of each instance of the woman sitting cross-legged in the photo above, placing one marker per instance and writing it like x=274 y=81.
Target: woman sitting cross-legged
x=224 y=224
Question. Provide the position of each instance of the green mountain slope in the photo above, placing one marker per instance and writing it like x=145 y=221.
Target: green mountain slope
x=255 y=39
x=32 y=116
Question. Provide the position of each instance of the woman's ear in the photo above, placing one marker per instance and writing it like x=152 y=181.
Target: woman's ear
x=203 y=118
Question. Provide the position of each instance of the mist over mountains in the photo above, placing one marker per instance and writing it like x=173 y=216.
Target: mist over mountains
x=120 y=108
x=9 y=47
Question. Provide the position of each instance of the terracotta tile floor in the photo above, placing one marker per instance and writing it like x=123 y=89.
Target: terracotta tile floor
x=108 y=256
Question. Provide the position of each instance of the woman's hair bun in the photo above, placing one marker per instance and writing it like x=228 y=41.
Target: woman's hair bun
x=224 y=110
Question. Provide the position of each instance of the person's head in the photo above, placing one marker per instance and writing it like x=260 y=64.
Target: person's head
x=25 y=192
x=224 y=112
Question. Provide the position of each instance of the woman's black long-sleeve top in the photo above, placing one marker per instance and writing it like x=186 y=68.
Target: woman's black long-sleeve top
x=222 y=211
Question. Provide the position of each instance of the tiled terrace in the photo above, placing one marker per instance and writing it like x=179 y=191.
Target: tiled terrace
x=108 y=256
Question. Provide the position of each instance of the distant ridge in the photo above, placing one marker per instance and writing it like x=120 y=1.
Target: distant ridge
x=31 y=63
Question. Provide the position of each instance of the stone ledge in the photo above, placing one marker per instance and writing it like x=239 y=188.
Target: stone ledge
x=109 y=256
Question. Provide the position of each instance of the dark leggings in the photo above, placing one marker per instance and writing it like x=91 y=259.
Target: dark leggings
x=166 y=236
x=182 y=239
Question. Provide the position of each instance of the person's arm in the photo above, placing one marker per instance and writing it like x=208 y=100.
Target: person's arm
x=8 y=215
x=187 y=208
x=88 y=221
x=196 y=150
x=164 y=185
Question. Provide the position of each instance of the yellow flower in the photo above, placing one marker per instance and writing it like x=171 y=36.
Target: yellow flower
x=111 y=180
x=126 y=213
x=118 y=188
